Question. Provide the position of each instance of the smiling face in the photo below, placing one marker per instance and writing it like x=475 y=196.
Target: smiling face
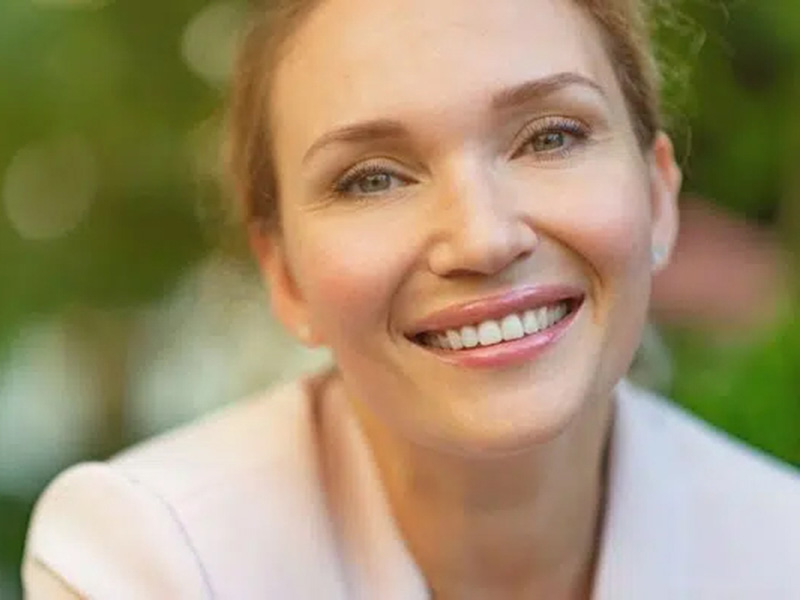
x=467 y=217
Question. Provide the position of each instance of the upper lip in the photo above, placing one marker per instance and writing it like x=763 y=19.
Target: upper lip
x=495 y=307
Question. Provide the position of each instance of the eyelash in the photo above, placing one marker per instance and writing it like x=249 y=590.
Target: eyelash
x=578 y=130
x=354 y=175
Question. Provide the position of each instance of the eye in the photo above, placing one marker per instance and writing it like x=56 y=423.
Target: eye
x=369 y=180
x=552 y=138
x=373 y=183
x=549 y=141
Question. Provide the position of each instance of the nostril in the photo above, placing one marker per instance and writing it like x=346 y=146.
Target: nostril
x=480 y=255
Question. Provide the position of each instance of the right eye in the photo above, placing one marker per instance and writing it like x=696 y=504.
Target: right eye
x=369 y=180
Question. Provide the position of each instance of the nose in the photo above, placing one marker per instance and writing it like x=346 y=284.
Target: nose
x=480 y=229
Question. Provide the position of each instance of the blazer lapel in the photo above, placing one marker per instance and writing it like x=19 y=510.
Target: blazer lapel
x=645 y=543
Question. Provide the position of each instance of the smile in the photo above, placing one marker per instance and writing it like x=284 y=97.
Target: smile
x=511 y=327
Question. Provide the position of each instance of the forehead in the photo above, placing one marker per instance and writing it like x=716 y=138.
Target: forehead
x=355 y=60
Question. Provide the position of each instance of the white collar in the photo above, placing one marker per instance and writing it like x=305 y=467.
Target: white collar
x=643 y=551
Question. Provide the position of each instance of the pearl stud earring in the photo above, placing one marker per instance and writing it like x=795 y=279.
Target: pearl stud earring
x=658 y=256
x=304 y=333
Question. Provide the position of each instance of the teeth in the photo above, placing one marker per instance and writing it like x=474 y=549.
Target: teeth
x=491 y=332
x=454 y=340
x=530 y=321
x=469 y=337
x=543 y=318
x=512 y=328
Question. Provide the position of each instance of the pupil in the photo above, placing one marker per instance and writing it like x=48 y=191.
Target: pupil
x=375 y=182
x=550 y=141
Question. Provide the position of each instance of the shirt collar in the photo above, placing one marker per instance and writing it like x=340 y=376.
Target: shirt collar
x=644 y=553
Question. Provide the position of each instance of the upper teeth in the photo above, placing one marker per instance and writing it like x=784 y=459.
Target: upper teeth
x=488 y=333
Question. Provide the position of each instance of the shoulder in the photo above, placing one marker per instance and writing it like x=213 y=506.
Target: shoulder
x=268 y=433
x=202 y=511
x=713 y=458
x=86 y=533
x=741 y=507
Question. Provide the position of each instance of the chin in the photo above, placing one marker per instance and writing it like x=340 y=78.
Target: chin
x=505 y=422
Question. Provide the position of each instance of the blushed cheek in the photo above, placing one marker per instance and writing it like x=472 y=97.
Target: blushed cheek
x=605 y=222
x=619 y=233
x=349 y=275
x=611 y=232
x=609 y=224
x=616 y=237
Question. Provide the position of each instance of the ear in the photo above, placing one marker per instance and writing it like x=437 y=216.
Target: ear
x=286 y=299
x=665 y=186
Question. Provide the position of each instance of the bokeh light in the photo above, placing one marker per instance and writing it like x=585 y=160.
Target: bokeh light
x=210 y=342
x=49 y=187
x=209 y=41
x=50 y=406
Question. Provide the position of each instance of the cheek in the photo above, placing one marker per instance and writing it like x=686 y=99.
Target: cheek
x=605 y=219
x=349 y=268
x=608 y=227
x=616 y=241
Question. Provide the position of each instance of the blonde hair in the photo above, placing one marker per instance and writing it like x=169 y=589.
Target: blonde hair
x=623 y=25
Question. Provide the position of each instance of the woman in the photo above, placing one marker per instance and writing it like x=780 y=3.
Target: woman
x=466 y=205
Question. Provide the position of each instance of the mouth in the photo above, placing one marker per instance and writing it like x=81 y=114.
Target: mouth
x=491 y=332
x=518 y=317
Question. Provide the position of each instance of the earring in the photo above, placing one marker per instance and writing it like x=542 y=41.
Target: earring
x=658 y=256
x=304 y=333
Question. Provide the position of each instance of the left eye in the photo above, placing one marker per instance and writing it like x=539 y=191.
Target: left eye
x=553 y=140
x=549 y=141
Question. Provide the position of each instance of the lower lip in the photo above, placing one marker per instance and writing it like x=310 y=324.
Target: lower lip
x=507 y=354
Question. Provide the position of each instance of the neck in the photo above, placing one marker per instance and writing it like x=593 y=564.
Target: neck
x=515 y=526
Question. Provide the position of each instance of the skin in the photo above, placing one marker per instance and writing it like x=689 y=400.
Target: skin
x=495 y=475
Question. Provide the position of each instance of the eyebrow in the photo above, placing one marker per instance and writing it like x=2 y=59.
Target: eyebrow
x=537 y=89
x=379 y=129
x=503 y=100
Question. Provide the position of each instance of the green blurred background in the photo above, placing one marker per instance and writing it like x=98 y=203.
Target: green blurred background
x=126 y=307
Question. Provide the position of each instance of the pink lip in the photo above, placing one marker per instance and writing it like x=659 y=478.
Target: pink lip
x=496 y=307
x=506 y=354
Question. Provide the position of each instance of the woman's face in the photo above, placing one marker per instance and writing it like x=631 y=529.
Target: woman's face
x=456 y=174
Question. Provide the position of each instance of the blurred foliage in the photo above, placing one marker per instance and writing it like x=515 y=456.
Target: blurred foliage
x=748 y=389
x=745 y=87
x=733 y=87
x=114 y=75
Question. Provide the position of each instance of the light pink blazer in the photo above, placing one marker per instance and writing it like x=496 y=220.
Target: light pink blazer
x=278 y=498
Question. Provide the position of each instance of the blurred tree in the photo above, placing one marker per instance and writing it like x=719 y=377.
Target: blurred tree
x=99 y=180
x=113 y=80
